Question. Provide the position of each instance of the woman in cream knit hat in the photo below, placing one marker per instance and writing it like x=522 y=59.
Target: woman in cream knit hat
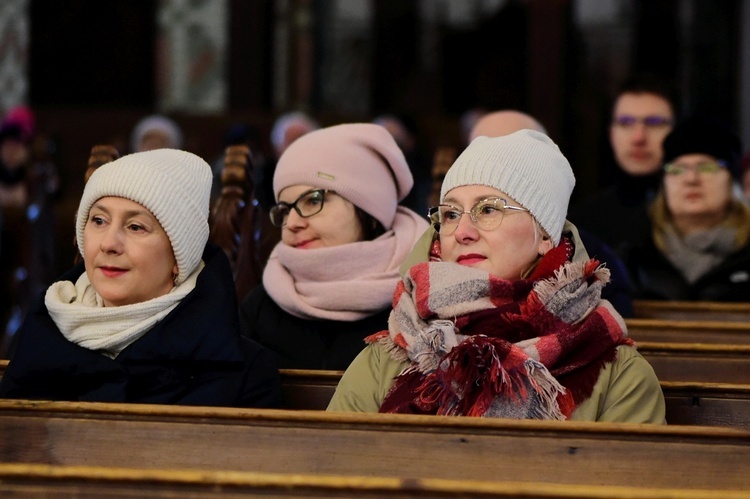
x=330 y=280
x=506 y=318
x=150 y=314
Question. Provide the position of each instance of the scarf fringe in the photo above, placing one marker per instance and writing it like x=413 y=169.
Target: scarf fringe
x=396 y=352
x=572 y=274
x=473 y=381
x=548 y=389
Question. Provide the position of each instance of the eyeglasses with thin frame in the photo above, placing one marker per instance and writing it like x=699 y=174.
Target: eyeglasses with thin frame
x=705 y=167
x=306 y=205
x=485 y=215
x=652 y=121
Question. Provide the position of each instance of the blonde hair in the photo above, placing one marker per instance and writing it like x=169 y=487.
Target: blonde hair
x=538 y=231
x=737 y=219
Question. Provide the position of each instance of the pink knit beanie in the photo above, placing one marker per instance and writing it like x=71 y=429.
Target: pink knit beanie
x=360 y=161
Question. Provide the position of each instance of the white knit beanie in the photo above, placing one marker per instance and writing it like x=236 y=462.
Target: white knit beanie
x=527 y=166
x=360 y=161
x=174 y=185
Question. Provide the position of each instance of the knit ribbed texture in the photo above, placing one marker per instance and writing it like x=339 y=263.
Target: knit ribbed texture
x=174 y=185
x=527 y=166
x=360 y=161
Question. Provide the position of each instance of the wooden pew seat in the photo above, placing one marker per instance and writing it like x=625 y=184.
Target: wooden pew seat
x=34 y=480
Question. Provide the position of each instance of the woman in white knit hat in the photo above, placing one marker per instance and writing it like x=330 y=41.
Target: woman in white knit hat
x=150 y=314
x=329 y=283
x=506 y=318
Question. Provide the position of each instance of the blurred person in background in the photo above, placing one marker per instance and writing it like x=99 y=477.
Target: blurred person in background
x=404 y=132
x=697 y=246
x=156 y=132
x=29 y=186
x=644 y=111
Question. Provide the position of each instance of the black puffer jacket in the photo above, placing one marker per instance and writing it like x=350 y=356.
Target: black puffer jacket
x=655 y=278
x=302 y=343
x=194 y=356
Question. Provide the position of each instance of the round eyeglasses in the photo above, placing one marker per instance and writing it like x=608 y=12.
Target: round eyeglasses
x=308 y=204
x=486 y=215
x=707 y=167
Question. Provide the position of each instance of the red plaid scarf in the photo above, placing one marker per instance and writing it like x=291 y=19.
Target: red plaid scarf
x=483 y=346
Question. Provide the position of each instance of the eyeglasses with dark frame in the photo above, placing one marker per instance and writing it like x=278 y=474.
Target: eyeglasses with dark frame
x=485 y=215
x=652 y=121
x=707 y=167
x=306 y=205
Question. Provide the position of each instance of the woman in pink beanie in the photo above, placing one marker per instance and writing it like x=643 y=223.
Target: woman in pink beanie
x=329 y=283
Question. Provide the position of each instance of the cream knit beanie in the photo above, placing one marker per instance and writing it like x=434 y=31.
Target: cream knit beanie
x=360 y=161
x=527 y=166
x=174 y=185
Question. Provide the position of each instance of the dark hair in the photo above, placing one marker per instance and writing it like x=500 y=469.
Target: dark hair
x=648 y=83
x=371 y=227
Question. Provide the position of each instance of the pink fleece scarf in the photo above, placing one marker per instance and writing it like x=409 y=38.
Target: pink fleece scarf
x=342 y=283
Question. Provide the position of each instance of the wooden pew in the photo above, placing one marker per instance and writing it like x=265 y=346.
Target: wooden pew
x=374 y=445
x=707 y=404
x=693 y=311
x=689 y=331
x=239 y=225
x=688 y=403
x=698 y=362
x=34 y=480
x=698 y=404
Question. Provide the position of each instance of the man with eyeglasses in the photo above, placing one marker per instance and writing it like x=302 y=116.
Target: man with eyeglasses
x=642 y=116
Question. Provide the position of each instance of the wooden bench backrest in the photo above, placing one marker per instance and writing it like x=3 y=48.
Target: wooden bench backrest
x=692 y=331
x=698 y=362
x=698 y=404
x=312 y=442
x=691 y=310
x=239 y=224
x=688 y=403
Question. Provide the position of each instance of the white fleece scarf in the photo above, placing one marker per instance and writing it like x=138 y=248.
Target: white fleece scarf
x=80 y=314
x=343 y=283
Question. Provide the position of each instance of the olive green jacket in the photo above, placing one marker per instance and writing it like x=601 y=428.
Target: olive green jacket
x=627 y=390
